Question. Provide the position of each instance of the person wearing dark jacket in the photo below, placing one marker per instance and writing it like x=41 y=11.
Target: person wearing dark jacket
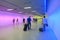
x=23 y=20
x=13 y=20
x=29 y=22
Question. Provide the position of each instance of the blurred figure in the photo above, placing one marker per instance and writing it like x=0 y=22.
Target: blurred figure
x=23 y=20
x=29 y=22
x=17 y=20
x=13 y=21
x=35 y=19
x=44 y=20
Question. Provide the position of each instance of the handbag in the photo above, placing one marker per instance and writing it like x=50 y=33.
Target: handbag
x=47 y=25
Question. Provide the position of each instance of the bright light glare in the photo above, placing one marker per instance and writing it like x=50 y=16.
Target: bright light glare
x=10 y=9
x=19 y=12
x=34 y=11
x=27 y=7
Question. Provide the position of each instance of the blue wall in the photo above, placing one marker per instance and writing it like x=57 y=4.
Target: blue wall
x=53 y=13
x=54 y=22
x=47 y=4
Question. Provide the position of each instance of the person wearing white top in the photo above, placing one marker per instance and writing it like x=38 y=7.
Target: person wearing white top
x=44 y=21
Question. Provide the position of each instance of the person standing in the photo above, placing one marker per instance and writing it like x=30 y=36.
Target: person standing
x=23 y=20
x=44 y=21
x=17 y=20
x=13 y=20
x=29 y=22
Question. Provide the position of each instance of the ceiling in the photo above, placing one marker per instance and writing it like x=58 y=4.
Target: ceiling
x=18 y=6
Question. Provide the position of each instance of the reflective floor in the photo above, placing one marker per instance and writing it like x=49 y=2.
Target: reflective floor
x=15 y=32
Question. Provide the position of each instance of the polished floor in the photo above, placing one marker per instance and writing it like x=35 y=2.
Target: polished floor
x=15 y=32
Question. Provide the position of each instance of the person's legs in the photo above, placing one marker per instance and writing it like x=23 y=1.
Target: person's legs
x=28 y=26
x=44 y=27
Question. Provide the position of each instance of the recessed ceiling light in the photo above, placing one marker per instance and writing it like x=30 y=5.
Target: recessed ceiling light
x=10 y=9
x=34 y=11
x=27 y=7
x=19 y=12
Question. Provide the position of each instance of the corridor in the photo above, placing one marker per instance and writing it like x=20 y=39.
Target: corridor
x=15 y=32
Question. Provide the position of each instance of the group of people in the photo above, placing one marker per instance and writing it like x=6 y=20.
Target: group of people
x=28 y=23
x=15 y=21
x=44 y=22
x=35 y=19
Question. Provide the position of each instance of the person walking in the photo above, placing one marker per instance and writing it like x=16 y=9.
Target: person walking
x=44 y=21
x=23 y=20
x=13 y=20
